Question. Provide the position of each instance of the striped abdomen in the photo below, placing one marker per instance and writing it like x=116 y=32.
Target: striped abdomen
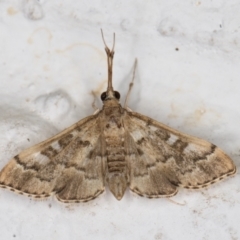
x=115 y=156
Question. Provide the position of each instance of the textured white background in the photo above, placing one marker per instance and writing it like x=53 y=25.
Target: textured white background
x=52 y=57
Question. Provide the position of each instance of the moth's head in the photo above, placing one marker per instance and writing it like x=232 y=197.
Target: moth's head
x=110 y=95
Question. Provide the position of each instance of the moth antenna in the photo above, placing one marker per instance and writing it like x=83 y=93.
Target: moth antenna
x=113 y=42
x=131 y=83
x=105 y=42
x=110 y=54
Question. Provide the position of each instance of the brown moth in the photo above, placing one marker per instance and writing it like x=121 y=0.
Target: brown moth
x=118 y=148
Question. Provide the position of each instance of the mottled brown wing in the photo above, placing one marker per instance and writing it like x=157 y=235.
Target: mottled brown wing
x=160 y=159
x=69 y=165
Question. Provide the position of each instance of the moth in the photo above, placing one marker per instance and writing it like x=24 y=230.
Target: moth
x=118 y=148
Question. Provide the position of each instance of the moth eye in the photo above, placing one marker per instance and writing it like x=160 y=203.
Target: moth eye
x=103 y=96
x=117 y=95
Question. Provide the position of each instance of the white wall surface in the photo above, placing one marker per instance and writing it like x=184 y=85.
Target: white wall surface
x=188 y=76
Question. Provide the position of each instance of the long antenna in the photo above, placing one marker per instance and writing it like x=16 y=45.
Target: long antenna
x=110 y=54
x=131 y=83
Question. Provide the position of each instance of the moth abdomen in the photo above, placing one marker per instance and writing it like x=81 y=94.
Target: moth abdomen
x=116 y=161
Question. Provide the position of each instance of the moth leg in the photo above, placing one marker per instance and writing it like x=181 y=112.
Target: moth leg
x=129 y=109
x=177 y=203
x=131 y=83
x=94 y=106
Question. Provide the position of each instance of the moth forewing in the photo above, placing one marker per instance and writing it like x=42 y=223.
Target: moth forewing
x=55 y=166
x=183 y=160
x=118 y=148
